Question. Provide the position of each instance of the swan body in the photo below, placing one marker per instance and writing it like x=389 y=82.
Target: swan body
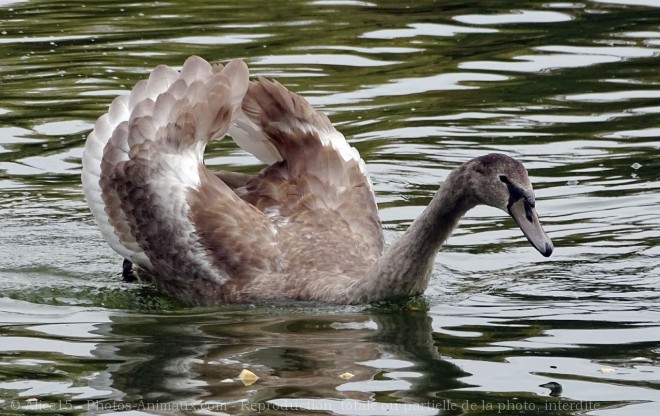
x=306 y=227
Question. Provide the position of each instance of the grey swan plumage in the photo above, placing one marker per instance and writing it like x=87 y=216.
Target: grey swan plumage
x=306 y=227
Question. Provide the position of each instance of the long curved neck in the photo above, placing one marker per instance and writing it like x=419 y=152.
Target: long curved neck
x=405 y=267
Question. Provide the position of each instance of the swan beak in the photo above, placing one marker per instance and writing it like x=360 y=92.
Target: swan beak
x=528 y=221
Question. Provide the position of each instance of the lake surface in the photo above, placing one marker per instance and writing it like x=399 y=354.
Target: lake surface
x=572 y=89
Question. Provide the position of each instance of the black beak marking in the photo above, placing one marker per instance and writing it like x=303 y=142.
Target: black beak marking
x=528 y=212
x=516 y=193
x=527 y=219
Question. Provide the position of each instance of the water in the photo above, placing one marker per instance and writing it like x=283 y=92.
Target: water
x=570 y=88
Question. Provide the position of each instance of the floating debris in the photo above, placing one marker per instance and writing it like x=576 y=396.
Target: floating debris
x=247 y=377
x=606 y=370
x=635 y=166
x=227 y=380
x=347 y=375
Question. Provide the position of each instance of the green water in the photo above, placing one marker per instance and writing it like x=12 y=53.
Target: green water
x=572 y=89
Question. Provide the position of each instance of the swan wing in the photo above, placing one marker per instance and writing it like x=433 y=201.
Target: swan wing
x=147 y=186
x=316 y=185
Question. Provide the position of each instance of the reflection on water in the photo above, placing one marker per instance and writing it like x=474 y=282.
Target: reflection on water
x=570 y=88
x=473 y=355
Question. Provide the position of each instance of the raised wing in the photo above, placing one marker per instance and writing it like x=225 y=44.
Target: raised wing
x=317 y=181
x=146 y=184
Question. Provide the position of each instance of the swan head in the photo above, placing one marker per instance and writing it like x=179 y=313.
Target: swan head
x=502 y=182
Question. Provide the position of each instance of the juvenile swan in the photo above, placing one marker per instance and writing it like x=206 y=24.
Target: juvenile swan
x=306 y=227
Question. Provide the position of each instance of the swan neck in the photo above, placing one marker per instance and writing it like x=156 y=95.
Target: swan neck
x=406 y=265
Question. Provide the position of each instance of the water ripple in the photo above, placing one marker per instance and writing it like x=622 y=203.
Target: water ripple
x=569 y=88
x=518 y=17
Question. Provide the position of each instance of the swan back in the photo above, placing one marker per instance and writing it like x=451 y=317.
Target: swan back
x=316 y=197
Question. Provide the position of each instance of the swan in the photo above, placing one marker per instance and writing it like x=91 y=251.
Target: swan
x=306 y=227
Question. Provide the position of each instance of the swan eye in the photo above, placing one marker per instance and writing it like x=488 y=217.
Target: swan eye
x=504 y=179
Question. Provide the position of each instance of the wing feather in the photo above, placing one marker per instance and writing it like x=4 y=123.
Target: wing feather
x=143 y=165
x=314 y=171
